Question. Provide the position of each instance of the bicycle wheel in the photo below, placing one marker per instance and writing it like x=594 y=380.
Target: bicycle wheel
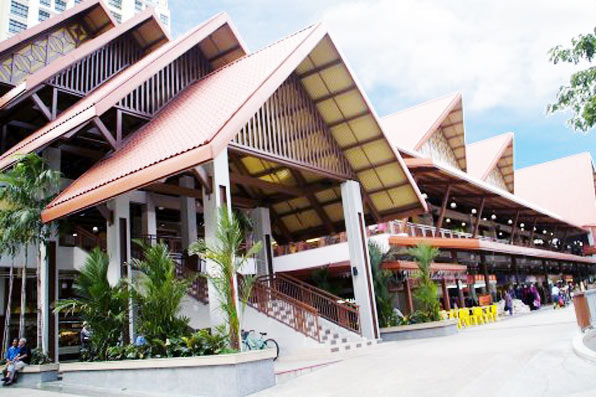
x=272 y=344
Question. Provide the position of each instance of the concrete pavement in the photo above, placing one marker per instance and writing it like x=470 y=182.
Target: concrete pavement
x=530 y=355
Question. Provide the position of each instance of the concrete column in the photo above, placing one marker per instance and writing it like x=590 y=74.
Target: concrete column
x=149 y=218
x=118 y=240
x=460 y=294
x=262 y=232
x=219 y=174
x=359 y=259
x=53 y=158
x=188 y=213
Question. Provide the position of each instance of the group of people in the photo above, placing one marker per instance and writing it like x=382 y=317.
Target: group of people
x=17 y=356
x=528 y=294
x=561 y=294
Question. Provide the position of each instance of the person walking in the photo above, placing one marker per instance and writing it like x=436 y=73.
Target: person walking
x=555 y=291
x=509 y=301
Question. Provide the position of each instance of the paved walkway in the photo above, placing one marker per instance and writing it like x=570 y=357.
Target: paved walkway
x=529 y=355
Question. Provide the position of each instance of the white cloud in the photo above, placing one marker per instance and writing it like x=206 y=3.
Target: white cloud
x=495 y=52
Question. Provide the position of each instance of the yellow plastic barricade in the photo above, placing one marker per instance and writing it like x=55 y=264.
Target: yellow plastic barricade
x=494 y=313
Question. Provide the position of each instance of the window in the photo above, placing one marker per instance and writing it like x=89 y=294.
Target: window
x=138 y=5
x=16 y=26
x=116 y=3
x=117 y=16
x=45 y=3
x=43 y=15
x=164 y=19
x=60 y=5
x=18 y=9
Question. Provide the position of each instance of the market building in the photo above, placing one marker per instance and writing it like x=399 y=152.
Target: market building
x=154 y=136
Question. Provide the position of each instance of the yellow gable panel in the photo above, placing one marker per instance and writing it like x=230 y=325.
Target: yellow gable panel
x=390 y=174
x=403 y=196
x=365 y=127
x=369 y=180
x=305 y=66
x=336 y=78
x=343 y=135
x=334 y=211
x=326 y=195
x=351 y=104
x=314 y=86
x=378 y=151
x=356 y=158
x=329 y=111
x=324 y=52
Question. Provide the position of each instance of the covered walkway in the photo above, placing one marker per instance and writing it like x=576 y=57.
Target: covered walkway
x=529 y=355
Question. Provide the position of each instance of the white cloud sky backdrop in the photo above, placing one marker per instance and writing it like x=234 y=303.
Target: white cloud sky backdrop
x=409 y=51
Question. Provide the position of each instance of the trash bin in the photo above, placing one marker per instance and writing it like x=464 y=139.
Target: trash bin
x=582 y=312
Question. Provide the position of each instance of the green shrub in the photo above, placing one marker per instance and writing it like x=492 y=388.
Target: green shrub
x=426 y=294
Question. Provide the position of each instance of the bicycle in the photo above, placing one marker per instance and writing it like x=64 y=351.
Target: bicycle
x=253 y=343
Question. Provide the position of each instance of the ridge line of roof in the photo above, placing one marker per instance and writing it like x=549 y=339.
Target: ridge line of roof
x=427 y=102
x=585 y=153
x=483 y=140
x=437 y=123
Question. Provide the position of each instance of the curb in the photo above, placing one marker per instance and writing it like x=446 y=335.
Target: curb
x=581 y=349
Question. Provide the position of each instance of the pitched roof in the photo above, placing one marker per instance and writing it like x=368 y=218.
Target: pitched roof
x=492 y=153
x=411 y=128
x=204 y=118
x=109 y=93
x=146 y=30
x=565 y=186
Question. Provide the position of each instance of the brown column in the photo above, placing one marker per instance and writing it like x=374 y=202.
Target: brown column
x=486 y=277
x=515 y=269
x=443 y=208
x=479 y=217
x=408 y=292
x=514 y=231
x=460 y=294
x=53 y=294
x=446 y=303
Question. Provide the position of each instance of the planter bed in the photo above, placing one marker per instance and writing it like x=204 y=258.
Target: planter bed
x=33 y=375
x=419 y=331
x=236 y=374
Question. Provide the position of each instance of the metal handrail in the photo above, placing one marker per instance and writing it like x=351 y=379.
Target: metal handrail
x=329 y=306
x=298 y=315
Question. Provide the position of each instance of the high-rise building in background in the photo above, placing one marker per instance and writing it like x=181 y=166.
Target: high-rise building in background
x=18 y=15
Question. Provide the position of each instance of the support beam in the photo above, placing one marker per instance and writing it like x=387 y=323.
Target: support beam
x=202 y=177
x=479 y=217
x=188 y=213
x=514 y=231
x=533 y=232
x=320 y=68
x=54 y=103
x=106 y=213
x=105 y=132
x=262 y=232
x=41 y=107
x=443 y=208
x=314 y=202
x=408 y=293
x=446 y=301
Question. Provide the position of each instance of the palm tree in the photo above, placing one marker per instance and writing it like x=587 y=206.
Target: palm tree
x=426 y=293
x=381 y=278
x=229 y=258
x=29 y=186
x=102 y=306
x=158 y=294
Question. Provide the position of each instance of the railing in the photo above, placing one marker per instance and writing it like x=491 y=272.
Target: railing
x=329 y=306
x=297 y=315
x=198 y=289
x=83 y=239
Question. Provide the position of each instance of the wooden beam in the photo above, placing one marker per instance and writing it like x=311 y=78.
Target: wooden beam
x=314 y=202
x=479 y=217
x=41 y=107
x=443 y=208
x=364 y=142
x=348 y=119
x=320 y=68
x=54 y=103
x=248 y=180
x=533 y=232
x=327 y=97
x=224 y=53
x=394 y=186
x=105 y=132
x=371 y=206
x=82 y=152
x=514 y=231
x=106 y=213
x=201 y=176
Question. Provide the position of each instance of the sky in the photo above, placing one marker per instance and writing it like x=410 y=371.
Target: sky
x=405 y=52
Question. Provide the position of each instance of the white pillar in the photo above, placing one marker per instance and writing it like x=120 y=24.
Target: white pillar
x=119 y=251
x=219 y=173
x=149 y=218
x=188 y=213
x=262 y=232
x=359 y=260
x=53 y=158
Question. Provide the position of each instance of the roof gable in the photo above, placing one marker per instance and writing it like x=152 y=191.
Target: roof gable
x=28 y=51
x=492 y=155
x=437 y=121
x=119 y=88
x=211 y=112
x=565 y=186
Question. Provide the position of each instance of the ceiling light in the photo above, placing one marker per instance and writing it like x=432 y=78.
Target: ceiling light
x=493 y=217
x=510 y=221
x=160 y=208
x=544 y=231
x=95 y=229
x=448 y=220
x=484 y=219
x=453 y=204
x=551 y=233
x=522 y=225
x=500 y=233
x=424 y=196
x=74 y=234
x=162 y=225
x=474 y=211
x=463 y=223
